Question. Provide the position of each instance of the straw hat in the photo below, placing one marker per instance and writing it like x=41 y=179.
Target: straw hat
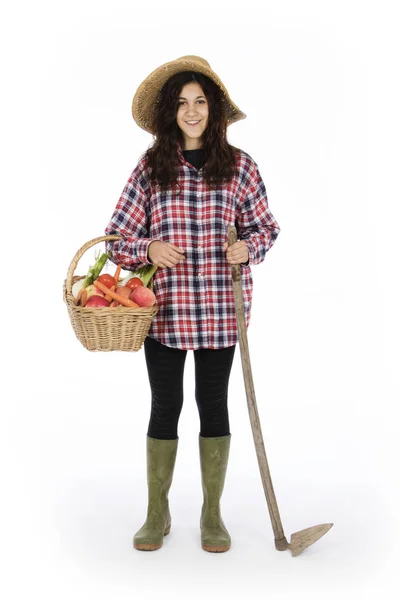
x=147 y=95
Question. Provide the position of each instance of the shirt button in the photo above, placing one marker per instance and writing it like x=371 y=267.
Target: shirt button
x=200 y=274
x=198 y=194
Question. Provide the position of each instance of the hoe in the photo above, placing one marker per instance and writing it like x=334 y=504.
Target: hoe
x=300 y=540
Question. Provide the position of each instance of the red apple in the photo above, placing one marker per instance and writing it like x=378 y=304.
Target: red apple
x=123 y=291
x=107 y=280
x=133 y=283
x=143 y=296
x=96 y=302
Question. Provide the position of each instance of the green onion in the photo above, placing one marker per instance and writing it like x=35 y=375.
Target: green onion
x=95 y=270
x=145 y=273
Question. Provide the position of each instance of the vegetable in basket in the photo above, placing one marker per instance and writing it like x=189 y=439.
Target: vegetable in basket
x=115 y=296
x=83 y=289
x=145 y=273
x=92 y=274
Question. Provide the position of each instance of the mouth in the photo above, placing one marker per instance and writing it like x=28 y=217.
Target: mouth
x=192 y=123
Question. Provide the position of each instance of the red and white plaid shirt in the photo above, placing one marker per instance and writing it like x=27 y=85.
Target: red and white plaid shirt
x=196 y=300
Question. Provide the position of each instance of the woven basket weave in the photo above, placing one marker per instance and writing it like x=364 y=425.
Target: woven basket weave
x=105 y=329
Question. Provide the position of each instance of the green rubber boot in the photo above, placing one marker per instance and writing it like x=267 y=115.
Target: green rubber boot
x=161 y=456
x=214 y=454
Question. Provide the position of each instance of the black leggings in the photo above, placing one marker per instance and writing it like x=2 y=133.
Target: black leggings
x=165 y=368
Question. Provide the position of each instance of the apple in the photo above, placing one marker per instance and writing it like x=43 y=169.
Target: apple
x=123 y=291
x=107 y=280
x=133 y=283
x=92 y=290
x=143 y=296
x=96 y=302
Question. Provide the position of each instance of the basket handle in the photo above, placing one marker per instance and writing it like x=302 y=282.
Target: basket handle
x=81 y=252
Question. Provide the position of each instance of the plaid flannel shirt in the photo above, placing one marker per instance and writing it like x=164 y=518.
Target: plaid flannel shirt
x=196 y=300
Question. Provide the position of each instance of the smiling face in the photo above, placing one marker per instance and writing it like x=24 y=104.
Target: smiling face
x=192 y=106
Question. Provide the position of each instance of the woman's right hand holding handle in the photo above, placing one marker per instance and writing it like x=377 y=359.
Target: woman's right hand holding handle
x=164 y=254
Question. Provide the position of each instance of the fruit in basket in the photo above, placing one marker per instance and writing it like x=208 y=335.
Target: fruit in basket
x=106 y=279
x=124 y=291
x=114 y=296
x=96 y=302
x=133 y=283
x=92 y=290
x=143 y=296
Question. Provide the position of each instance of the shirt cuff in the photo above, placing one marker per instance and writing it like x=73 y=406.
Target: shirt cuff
x=142 y=248
x=250 y=250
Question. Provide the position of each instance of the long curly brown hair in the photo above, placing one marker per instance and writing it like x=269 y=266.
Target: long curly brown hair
x=162 y=156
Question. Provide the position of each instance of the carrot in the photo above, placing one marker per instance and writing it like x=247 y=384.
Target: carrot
x=121 y=299
x=116 y=274
x=84 y=298
x=79 y=296
x=107 y=296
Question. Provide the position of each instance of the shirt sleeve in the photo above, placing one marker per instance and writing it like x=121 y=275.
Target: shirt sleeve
x=255 y=222
x=129 y=220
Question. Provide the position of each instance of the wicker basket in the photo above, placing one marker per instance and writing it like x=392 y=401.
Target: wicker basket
x=106 y=329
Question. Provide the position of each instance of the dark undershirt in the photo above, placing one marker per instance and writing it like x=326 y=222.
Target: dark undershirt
x=196 y=157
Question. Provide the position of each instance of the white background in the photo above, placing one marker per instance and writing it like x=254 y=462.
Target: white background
x=319 y=84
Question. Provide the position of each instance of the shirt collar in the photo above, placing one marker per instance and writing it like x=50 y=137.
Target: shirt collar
x=179 y=149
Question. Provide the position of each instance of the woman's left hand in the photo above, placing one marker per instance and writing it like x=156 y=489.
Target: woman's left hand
x=237 y=253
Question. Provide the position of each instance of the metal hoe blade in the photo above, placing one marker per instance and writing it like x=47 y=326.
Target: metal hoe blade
x=300 y=540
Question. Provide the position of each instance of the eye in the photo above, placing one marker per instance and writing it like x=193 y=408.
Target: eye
x=183 y=102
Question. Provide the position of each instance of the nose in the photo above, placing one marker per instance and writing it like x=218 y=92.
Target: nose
x=190 y=110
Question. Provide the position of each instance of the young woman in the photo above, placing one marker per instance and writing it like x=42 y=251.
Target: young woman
x=174 y=212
